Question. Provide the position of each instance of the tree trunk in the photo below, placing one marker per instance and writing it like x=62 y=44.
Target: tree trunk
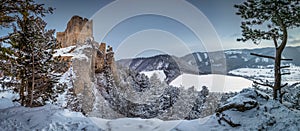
x=32 y=86
x=277 y=65
x=277 y=74
x=22 y=93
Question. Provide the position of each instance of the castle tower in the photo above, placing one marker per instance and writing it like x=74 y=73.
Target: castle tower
x=77 y=31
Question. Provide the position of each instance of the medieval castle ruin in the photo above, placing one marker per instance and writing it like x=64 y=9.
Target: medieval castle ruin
x=79 y=33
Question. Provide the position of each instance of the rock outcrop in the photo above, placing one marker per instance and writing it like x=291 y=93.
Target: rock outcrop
x=77 y=31
x=104 y=57
x=86 y=57
x=84 y=77
x=100 y=56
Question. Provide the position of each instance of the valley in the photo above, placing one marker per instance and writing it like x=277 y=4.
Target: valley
x=149 y=65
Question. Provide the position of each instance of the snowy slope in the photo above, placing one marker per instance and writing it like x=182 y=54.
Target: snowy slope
x=160 y=74
x=214 y=82
x=53 y=118
x=48 y=117
x=267 y=115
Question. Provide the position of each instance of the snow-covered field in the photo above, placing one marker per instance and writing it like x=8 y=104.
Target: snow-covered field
x=160 y=74
x=267 y=74
x=214 y=82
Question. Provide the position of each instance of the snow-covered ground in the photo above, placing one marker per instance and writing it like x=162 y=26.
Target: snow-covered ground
x=160 y=74
x=54 y=118
x=267 y=74
x=267 y=114
x=214 y=82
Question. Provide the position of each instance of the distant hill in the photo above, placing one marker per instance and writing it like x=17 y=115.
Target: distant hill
x=202 y=62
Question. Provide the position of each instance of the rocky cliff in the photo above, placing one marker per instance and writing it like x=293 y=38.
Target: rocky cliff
x=77 y=31
x=85 y=57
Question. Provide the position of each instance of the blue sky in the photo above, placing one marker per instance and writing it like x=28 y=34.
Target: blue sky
x=163 y=28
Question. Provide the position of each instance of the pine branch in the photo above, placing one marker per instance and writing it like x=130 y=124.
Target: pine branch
x=269 y=57
x=263 y=84
x=281 y=95
x=3 y=38
x=284 y=67
x=264 y=56
x=287 y=59
x=232 y=124
x=284 y=85
x=288 y=73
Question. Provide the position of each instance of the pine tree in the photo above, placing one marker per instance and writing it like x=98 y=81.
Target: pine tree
x=29 y=52
x=270 y=20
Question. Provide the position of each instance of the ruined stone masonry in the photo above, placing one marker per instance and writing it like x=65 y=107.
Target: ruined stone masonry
x=77 y=31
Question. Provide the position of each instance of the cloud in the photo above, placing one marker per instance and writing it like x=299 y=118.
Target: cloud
x=291 y=37
x=294 y=41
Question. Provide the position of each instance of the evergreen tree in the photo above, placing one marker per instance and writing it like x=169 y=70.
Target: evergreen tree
x=270 y=20
x=27 y=58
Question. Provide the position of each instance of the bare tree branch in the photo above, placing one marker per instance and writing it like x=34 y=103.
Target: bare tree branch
x=232 y=124
x=287 y=59
x=284 y=85
x=281 y=95
x=288 y=73
x=263 y=84
x=269 y=57
x=264 y=56
x=284 y=67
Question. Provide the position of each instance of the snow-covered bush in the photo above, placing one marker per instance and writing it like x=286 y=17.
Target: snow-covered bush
x=292 y=96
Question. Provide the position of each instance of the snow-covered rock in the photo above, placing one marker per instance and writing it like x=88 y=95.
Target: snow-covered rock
x=254 y=110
